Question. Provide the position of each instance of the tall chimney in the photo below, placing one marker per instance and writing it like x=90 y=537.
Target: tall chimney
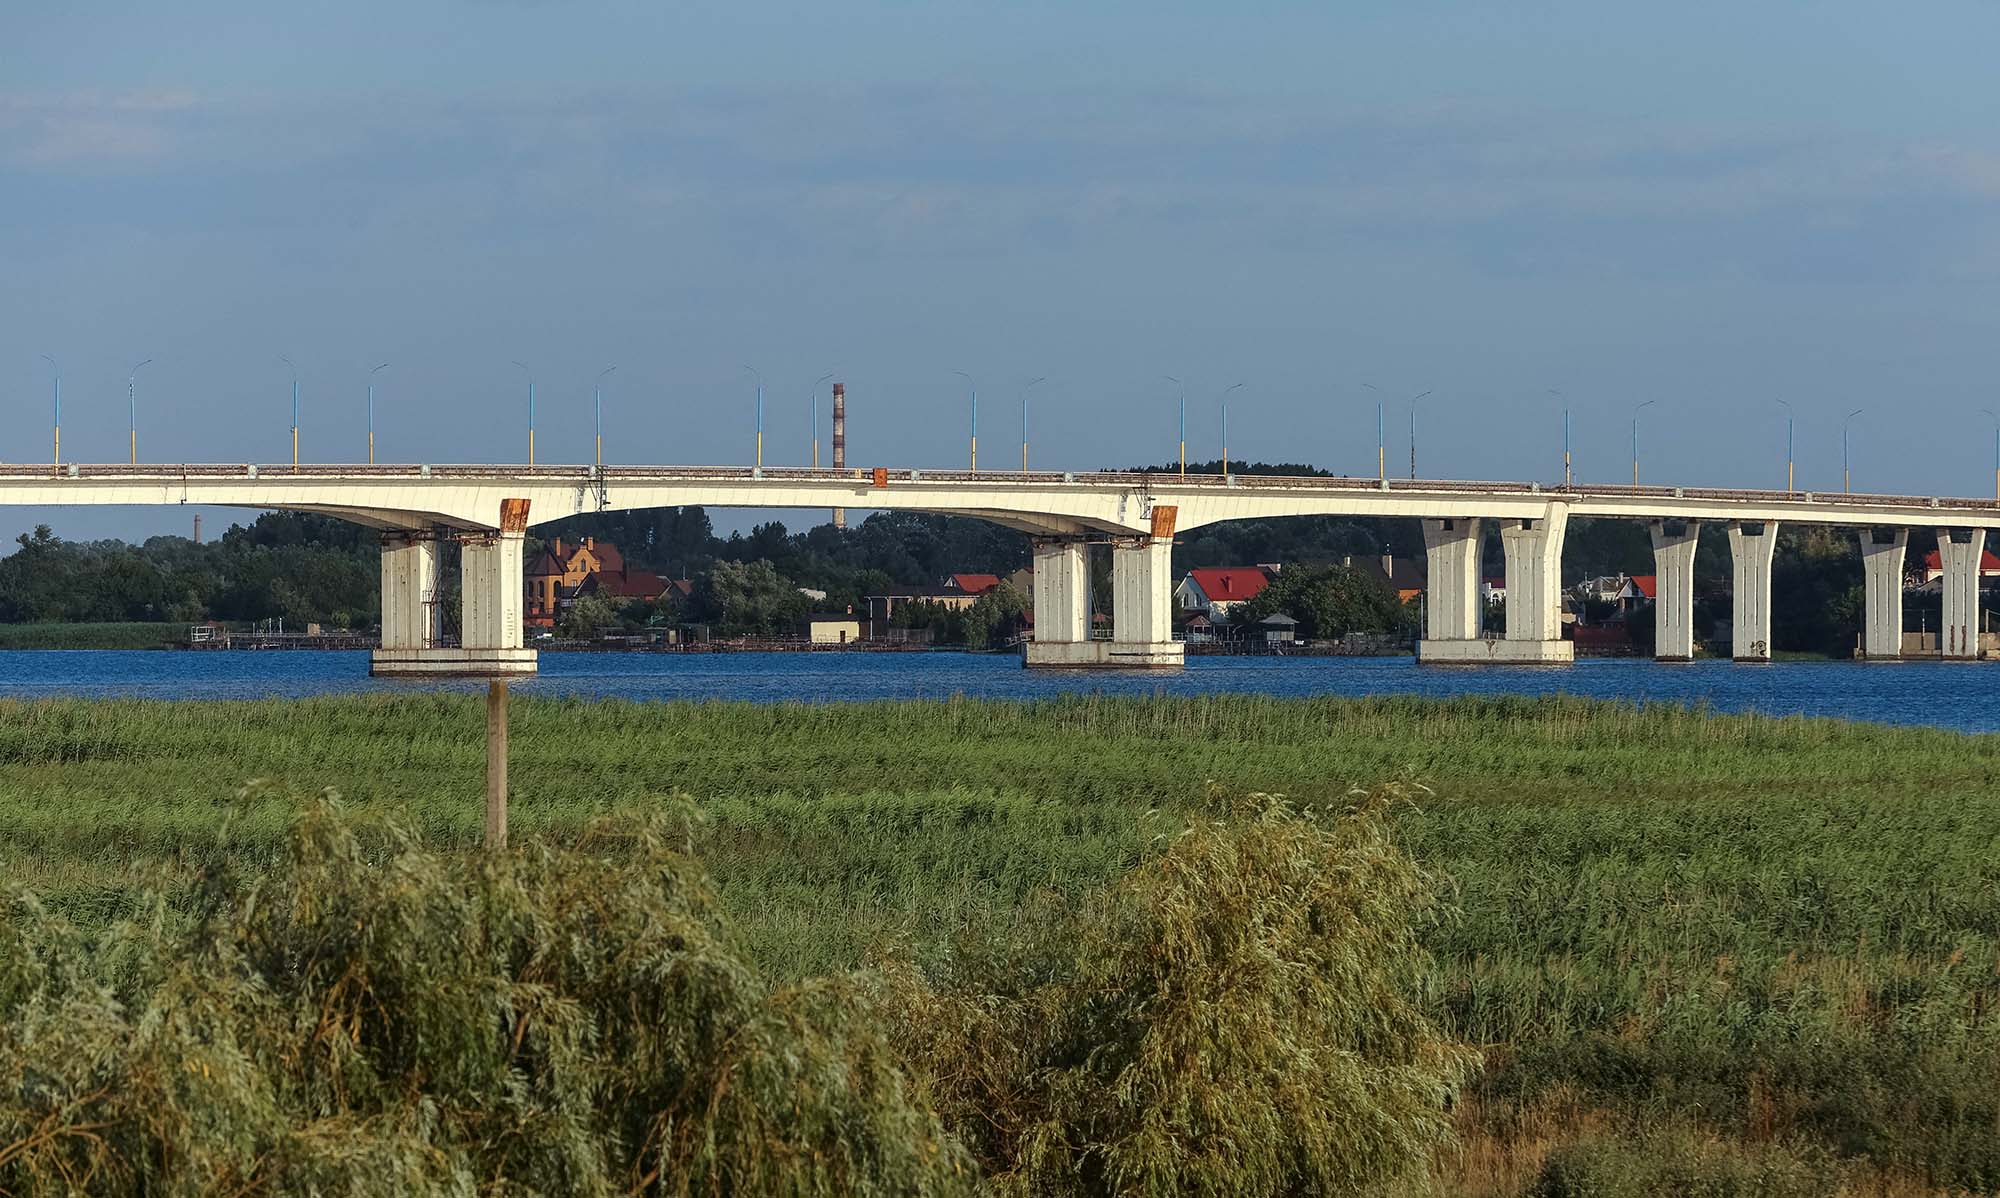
x=197 y=528
x=840 y=443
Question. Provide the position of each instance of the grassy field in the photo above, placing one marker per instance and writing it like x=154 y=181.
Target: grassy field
x=138 y=635
x=1763 y=952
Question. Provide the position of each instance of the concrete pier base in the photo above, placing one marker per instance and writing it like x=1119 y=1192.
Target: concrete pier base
x=1103 y=655
x=1882 y=552
x=453 y=663
x=1495 y=651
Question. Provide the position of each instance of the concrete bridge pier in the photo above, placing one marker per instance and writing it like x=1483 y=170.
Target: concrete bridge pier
x=1750 y=549
x=1882 y=577
x=491 y=595
x=1142 y=605
x=1674 y=543
x=1959 y=554
x=409 y=590
x=1534 y=599
x=1062 y=606
x=1451 y=608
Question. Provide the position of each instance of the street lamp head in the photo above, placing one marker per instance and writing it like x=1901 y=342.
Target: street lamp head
x=605 y=371
x=383 y=366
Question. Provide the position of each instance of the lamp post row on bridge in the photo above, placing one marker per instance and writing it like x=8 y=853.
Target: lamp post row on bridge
x=597 y=414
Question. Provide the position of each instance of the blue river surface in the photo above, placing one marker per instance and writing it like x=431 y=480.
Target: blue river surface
x=1963 y=696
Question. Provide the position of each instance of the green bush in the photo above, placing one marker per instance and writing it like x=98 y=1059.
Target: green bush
x=1239 y=1016
x=377 y=1018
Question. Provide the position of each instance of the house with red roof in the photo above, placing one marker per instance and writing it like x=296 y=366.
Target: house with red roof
x=564 y=572
x=1216 y=589
x=1927 y=574
x=971 y=584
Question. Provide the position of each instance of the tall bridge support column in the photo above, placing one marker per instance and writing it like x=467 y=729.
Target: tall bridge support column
x=1750 y=549
x=1674 y=543
x=1534 y=599
x=1882 y=576
x=1959 y=554
x=1062 y=607
x=1452 y=602
x=1142 y=605
x=491 y=591
x=409 y=590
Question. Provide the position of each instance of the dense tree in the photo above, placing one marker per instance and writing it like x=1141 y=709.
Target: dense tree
x=752 y=597
x=1328 y=602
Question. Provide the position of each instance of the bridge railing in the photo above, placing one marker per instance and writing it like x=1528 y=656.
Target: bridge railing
x=584 y=475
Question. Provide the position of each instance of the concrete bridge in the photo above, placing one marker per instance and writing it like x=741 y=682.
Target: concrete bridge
x=487 y=509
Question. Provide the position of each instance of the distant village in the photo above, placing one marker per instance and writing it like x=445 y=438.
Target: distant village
x=1218 y=609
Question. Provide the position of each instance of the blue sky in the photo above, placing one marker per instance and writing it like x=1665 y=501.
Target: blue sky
x=1709 y=206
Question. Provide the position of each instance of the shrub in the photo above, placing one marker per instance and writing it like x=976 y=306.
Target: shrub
x=376 y=1018
x=1238 y=1016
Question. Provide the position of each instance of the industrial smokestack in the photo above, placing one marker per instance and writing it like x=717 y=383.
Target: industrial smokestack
x=197 y=528
x=840 y=443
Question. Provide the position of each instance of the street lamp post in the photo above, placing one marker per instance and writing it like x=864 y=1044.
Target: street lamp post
x=1788 y=445
x=815 y=415
x=373 y=371
x=1844 y=476
x=974 y=388
x=50 y=358
x=1413 y=432
x=295 y=411
x=597 y=411
x=1565 y=403
x=132 y=408
x=531 y=410
x=1996 y=450
x=1025 y=388
x=759 y=376
x=1225 y=427
x=1381 y=447
x=1635 y=438
x=1183 y=394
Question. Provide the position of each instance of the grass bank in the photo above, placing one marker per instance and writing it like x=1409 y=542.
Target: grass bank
x=136 y=635
x=1778 y=939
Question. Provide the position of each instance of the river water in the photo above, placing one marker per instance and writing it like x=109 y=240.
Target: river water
x=1954 y=695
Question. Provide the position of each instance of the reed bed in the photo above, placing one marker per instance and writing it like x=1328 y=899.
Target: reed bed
x=1782 y=936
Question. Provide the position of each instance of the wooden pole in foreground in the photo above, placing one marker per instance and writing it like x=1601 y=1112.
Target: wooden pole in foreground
x=496 y=765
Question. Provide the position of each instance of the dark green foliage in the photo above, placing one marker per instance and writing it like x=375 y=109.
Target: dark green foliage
x=1328 y=602
x=295 y=565
x=748 y=598
x=374 y=1017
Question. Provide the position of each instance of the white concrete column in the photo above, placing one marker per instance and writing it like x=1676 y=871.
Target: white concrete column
x=490 y=589
x=1062 y=592
x=1750 y=548
x=1451 y=600
x=1674 y=544
x=1882 y=571
x=1958 y=632
x=409 y=590
x=1534 y=587
x=1142 y=604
